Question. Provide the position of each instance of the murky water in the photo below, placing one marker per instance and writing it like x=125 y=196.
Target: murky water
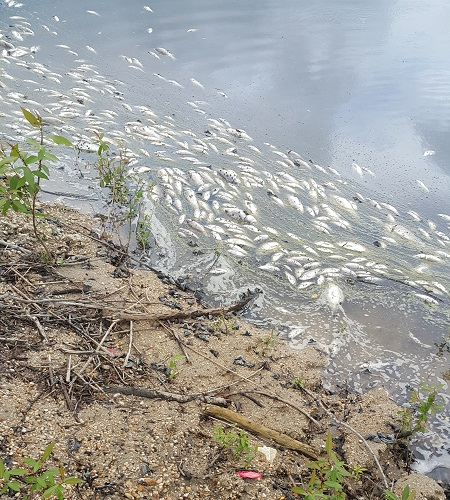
x=339 y=84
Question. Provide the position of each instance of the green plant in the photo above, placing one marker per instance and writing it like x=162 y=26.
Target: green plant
x=35 y=479
x=219 y=324
x=143 y=231
x=424 y=401
x=326 y=480
x=358 y=471
x=269 y=340
x=173 y=365
x=444 y=345
x=407 y=494
x=126 y=190
x=237 y=442
x=298 y=382
x=22 y=172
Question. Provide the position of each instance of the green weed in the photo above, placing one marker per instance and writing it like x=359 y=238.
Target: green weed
x=34 y=478
x=327 y=476
x=425 y=403
x=173 y=365
x=407 y=494
x=126 y=191
x=237 y=443
x=143 y=232
x=22 y=172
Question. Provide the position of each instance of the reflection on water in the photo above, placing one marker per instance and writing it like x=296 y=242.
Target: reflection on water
x=341 y=84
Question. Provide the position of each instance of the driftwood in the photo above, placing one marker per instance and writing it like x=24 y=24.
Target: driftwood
x=176 y=316
x=260 y=430
x=169 y=396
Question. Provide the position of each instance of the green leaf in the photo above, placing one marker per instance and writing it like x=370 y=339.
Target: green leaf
x=49 y=156
x=28 y=175
x=31 y=462
x=57 y=139
x=41 y=175
x=73 y=480
x=297 y=489
x=407 y=494
x=3 y=490
x=41 y=153
x=6 y=161
x=48 y=493
x=33 y=142
x=35 y=121
x=31 y=159
x=43 y=484
x=21 y=183
x=15 y=151
x=334 y=484
x=45 y=169
x=14 y=485
x=51 y=473
x=18 y=472
x=13 y=182
x=47 y=452
x=20 y=208
x=2 y=468
x=6 y=206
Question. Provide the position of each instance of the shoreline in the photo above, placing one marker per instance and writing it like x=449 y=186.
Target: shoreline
x=63 y=368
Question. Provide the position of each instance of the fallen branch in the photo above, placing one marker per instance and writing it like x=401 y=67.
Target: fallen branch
x=182 y=315
x=169 y=396
x=177 y=338
x=8 y=244
x=260 y=430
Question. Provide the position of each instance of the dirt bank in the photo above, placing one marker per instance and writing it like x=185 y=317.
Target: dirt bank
x=125 y=372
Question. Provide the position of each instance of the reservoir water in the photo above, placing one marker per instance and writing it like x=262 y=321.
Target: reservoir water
x=297 y=148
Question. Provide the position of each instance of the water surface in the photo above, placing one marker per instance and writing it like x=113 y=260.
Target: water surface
x=338 y=83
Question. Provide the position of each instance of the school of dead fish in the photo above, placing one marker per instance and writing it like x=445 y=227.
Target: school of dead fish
x=290 y=218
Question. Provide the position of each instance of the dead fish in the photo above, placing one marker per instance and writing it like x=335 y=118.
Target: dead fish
x=197 y=83
x=428 y=257
x=333 y=296
x=344 y=203
x=422 y=185
x=165 y=52
x=426 y=298
x=195 y=226
x=354 y=247
x=228 y=175
x=357 y=169
x=93 y=12
x=147 y=8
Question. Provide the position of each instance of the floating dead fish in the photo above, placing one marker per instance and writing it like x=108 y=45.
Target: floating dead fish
x=422 y=186
x=197 y=83
x=428 y=257
x=333 y=296
x=165 y=52
x=357 y=169
x=352 y=246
